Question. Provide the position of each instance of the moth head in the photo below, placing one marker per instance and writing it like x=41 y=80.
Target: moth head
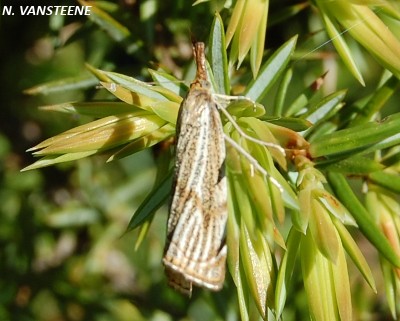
x=201 y=83
x=200 y=57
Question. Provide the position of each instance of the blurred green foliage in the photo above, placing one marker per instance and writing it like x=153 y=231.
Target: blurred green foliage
x=64 y=253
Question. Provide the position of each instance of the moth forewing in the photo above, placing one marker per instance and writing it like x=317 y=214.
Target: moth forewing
x=195 y=251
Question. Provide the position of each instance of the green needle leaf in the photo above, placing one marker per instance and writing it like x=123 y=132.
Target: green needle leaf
x=271 y=70
x=152 y=202
x=218 y=57
x=363 y=218
x=355 y=138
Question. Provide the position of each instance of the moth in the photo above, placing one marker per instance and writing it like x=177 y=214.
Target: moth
x=195 y=251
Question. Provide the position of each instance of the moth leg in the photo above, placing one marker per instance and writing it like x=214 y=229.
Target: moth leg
x=242 y=133
x=253 y=161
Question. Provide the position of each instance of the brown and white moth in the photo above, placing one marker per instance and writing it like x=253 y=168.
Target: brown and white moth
x=195 y=251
